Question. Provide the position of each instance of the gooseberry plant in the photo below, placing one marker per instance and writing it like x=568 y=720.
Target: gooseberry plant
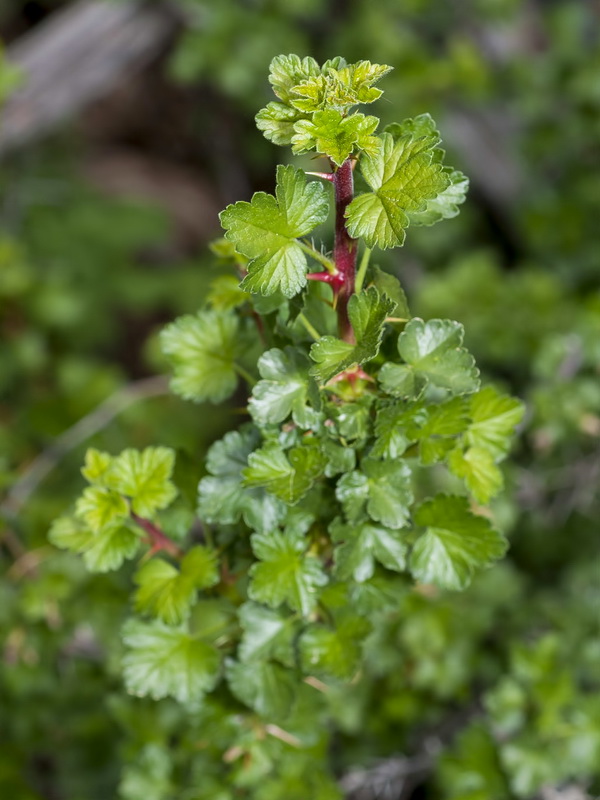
x=323 y=508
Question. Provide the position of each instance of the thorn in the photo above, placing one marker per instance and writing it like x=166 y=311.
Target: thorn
x=335 y=280
x=327 y=176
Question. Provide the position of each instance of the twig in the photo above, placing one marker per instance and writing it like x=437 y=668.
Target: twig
x=158 y=539
x=76 y=435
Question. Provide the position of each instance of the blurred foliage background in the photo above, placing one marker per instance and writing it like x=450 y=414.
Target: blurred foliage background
x=105 y=217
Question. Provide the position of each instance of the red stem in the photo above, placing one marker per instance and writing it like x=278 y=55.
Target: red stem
x=157 y=538
x=345 y=248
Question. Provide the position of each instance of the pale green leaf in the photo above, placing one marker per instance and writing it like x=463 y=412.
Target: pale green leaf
x=102 y=551
x=225 y=293
x=266 y=229
x=168 y=592
x=455 y=545
x=70 y=533
x=97 y=466
x=287 y=71
x=446 y=204
x=162 y=661
x=145 y=478
x=339 y=87
x=202 y=350
x=110 y=548
x=336 y=136
x=277 y=122
x=100 y=507
x=480 y=473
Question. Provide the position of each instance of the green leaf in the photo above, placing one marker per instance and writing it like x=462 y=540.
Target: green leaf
x=288 y=477
x=421 y=125
x=446 y=204
x=340 y=87
x=103 y=551
x=472 y=769
x=477 y=468
x=396 y=427
x=202 y=350
x=223 y=499
x=167 y=592
x=403 y=177
x=167 y=662
x=69 y=533
x=277 y=122
x=265 y=230
x=494 y=419
x=438 y=432
x=225 y=293
x=283 y=390
x=287 y=71
x=455 y=544
x=389 y=285
x=362 y=545
x=333 y=652
x=267 y=688
x=285 y=573
x=97 y=466
x=433 y=354
x=267 y=633
x=339 y=458
x=145 y=477
x=334 y=135
x=381 y=488
x=110 y=548
x=99 y=508
x=367 y=312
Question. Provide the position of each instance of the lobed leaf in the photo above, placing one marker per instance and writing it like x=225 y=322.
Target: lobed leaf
x=286 y=573
x=403 y=177
x=162 y=661
x=266 y=229
x=433 y=353
x=455 y=545
x=382 y=489
x=367 y=312
x=202 y=350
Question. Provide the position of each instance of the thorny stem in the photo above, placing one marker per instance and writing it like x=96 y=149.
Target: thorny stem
x=158 y=539
x=345 y=248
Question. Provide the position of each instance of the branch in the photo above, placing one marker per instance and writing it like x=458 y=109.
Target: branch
x=75 y=58
x=80 y=432
x=158 y=539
